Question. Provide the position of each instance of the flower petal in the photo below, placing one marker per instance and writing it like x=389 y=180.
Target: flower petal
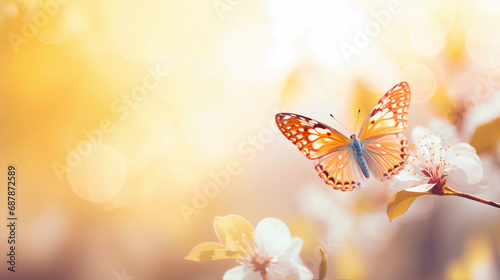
x=231 y=230
x=462 y=149
x=208 y=251
x=444 y=130
x=303 y=272
x=418 y=133
x=290 y=271
x=466 y=170
x=406 y=178
x=459 y=180
x=406 y=175
x=240 y=273
x=289 y=264
x=272 y=236
x=292 y=252
x=423 y=188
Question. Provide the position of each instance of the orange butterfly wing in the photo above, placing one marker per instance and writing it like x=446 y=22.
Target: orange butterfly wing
x=340 y=170
x=385 y=150
x=313 y=138
x=335 y=161
x=389 y=115
x=386 y=156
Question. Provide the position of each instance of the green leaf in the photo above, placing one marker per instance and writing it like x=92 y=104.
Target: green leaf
x=400 y=202
x=323 y=265
x=209 y=251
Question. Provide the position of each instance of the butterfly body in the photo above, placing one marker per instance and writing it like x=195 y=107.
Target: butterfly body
x=379 y=149
x=357 y=147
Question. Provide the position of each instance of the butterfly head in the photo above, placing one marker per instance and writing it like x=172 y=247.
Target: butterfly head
x=352 y=136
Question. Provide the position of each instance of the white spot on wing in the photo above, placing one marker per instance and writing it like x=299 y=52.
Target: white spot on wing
x=322 y=130
x=376 y=116
x=391 y=122
x=316 y=145
x=313 y=137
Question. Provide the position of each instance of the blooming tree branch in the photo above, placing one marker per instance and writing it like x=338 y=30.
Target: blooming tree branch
x=434 y=166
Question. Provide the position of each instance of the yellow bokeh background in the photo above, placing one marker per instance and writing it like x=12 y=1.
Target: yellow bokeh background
x=133 y=124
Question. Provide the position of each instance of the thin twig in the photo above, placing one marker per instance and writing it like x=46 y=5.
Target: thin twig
x=449 y=191
x=478 y=199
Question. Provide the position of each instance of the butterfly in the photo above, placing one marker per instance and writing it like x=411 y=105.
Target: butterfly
x=379 y=148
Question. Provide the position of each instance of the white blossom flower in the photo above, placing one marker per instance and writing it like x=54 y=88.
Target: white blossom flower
x=268 y=252
x=273 y=252
x=434 y=162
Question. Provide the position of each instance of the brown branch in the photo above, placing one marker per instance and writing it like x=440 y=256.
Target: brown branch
x=450 y=191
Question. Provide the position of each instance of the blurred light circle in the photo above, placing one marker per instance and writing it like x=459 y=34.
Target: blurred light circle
x=460 y=86
x=379 y=73
x=10 y=10
x=74 y=48
x=483 y=54
x=178 y=89
x=95 y=172
x=110 y=27
x=391 y=38
x=422 y=82
x=48 y=19
x=444 y=11
x=480 y=19
x=133 y=48
x=249 y=55
x=75 y=19
x=428 y=37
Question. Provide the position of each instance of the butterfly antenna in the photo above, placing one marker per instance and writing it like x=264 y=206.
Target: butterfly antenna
x=357 y=118
x=339 y=123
